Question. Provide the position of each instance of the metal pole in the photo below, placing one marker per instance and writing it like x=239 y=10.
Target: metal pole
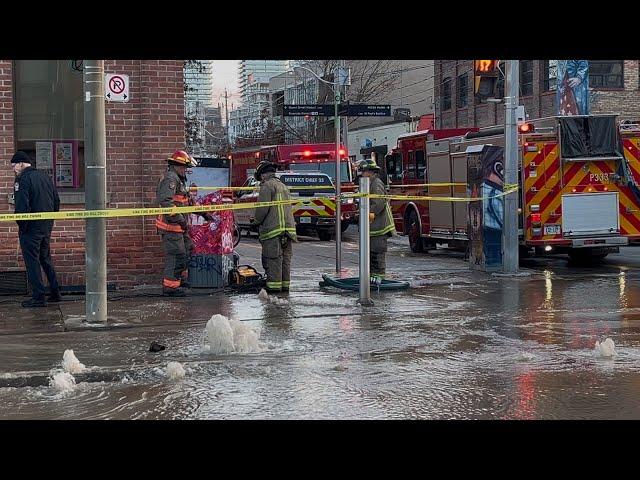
x=338 y=178
x=226 y=112
x=95 y=188
x=510 y=224
x=365 y=246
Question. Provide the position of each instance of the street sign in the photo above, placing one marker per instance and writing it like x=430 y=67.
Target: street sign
x=310 y=110
x=116 y=87
x=361 y=110
x=344 y=109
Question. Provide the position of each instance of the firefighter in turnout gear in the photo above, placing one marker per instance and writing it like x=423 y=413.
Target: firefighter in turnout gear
x=172 y=191
x=380 y=217
x=276 y=227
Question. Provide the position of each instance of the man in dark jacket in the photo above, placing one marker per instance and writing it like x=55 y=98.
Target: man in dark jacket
x=35 y=192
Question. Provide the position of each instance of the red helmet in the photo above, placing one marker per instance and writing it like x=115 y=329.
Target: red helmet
x=180 y=157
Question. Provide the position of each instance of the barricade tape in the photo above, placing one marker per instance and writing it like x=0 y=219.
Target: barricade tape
x=141 y=212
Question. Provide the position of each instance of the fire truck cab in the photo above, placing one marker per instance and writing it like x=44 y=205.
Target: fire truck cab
x=578 y=179
x=312 y=157
x=316 y=215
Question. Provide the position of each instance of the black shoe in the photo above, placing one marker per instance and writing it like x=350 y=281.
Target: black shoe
x=32 y=303
x=54 y=298
x=185 y=284
x=174 y=292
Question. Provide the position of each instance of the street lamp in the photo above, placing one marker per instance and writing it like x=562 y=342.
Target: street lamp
x=341 y=75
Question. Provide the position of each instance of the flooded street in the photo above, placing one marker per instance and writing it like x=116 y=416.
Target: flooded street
x=457 y=345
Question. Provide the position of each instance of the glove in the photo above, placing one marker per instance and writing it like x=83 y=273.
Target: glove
x=372 y=216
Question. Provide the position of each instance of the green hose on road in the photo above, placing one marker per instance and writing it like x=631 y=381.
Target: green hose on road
x=353 y=283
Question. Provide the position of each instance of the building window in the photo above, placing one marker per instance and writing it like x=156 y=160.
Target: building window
x=526 y=78
x=606 y=73
x=49 y=118
x=463 y=90
x=549 y=75
x=446 y=94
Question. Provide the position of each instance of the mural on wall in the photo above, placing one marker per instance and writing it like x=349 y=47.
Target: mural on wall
x=572 y=90
x=485 y=179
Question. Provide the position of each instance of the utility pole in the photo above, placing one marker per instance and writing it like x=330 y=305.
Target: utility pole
x=96 y=187
x=510 y=223
x=336 y=91
x=345 y=124
x=226 y=112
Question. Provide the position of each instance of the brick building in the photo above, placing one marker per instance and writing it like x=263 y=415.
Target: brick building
x=614 y=88
x=41 y=112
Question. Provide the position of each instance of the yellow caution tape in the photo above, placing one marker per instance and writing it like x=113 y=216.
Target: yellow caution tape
x=141 y=212
x=444 y=184
x=305 y=187
x=444 y=199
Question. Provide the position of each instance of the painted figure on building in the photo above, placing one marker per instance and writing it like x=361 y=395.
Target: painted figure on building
x=572 y=92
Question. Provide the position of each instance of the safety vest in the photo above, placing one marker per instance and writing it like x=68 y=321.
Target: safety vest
x=277 y=220
x=383 y=222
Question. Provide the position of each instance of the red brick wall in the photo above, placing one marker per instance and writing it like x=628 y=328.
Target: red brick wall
x=625 y=102
x=140 y=135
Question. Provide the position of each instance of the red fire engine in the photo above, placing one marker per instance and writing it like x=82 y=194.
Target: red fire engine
x=300 y=158
x=578 y=178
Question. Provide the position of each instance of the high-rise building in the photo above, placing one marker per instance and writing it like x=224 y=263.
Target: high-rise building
x=251 y=72
x=198 y=76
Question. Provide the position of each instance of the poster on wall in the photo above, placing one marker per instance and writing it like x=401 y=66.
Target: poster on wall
x=64 y=176
x=44 y=157
x=66 y=163
x=572 y=88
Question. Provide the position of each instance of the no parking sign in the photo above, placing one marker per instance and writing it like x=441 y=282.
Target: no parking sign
x=116 y=87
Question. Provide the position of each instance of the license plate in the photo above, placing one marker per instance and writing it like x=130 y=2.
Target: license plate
x=305 y=219
x=552 y=229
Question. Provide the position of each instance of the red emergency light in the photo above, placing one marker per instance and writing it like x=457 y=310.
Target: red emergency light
x=307 y=153
x=536 y=217
x=526 y=128
x=341 y=152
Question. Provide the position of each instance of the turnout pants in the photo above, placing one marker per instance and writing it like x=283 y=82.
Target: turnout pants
x=276 y=261
x=378 y=255
x=36 y=253
x=177 y=249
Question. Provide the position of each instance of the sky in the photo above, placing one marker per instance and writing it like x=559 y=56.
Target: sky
x=225 y=75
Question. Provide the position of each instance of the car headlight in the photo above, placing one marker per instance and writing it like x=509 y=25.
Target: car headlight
x=349 y=200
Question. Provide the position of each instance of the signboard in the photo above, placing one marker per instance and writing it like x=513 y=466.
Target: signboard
x=116 y=87
x=328 y=110
x=309 y=110
x=361 y=110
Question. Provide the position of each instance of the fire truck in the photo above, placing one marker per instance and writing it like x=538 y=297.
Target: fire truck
x=314 y=210
x=319 y=157
x=578 y=185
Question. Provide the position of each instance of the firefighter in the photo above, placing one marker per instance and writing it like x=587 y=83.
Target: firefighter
x=382 y=226
x=172 y=191
x=276 y=227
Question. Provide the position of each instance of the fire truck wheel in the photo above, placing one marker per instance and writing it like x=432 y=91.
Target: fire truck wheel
x=324 y=235
x=415 y=240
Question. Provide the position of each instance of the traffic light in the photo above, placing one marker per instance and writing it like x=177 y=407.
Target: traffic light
x=486 y=77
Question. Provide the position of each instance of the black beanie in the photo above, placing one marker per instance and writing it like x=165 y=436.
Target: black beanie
x=20 y=156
